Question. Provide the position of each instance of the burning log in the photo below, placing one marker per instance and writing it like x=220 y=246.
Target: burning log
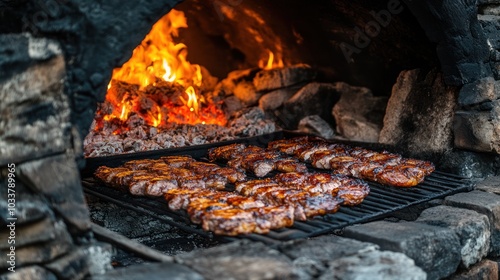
x=277 y=78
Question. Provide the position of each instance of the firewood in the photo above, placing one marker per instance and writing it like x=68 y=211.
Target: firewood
x=267 y=80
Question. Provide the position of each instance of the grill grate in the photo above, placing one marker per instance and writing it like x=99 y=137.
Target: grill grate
x=382 y=200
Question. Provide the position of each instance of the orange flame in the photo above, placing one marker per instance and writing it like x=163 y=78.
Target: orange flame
x=160 y=69
x=271 y=62
x=158 y=56
x=192 y=101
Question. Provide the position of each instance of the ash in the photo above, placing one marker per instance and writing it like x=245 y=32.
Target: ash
x=142 y=137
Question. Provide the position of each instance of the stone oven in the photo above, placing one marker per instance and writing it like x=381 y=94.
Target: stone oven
x=421 y=78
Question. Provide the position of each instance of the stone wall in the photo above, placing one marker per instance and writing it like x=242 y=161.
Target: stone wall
x=477 y=122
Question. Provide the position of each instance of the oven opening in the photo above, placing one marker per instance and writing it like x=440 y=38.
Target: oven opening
x=227 y=138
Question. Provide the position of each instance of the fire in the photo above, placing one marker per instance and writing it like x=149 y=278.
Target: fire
x=271 y=62
x=153 y=82
x=192 y=101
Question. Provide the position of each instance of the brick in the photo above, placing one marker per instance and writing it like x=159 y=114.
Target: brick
x=472 y=229
x=485 y=270
x=434 y=249
x=484 y=203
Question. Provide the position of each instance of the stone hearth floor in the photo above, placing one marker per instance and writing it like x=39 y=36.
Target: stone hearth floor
x=456 y=237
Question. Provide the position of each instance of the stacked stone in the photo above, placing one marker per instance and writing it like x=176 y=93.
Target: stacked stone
x=45 y=225
x=477 y=123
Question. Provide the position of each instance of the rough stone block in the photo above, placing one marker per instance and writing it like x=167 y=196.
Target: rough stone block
x=26 y=212
x=312 y=99
x=267 y=80
x=490 y=184
x=420 y=133
x=358 y=114
x=58 y=179
x=38 y=253
x=29 y=273
x=34 y=112
x=473 y=131
x=374 y=265
x=238 y=260
x=313 y=255
x=482 y=90
x=71 y=266
x=472 y=229
x=156 y=271
x=316 y=125
x=326 y=248
x=275 y=99
x=82 y=261
x=485 y=270
x=484 y=203
x=39 y=232
x=434 y=249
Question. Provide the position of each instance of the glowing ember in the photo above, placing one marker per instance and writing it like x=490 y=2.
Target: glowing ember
x=151 y=85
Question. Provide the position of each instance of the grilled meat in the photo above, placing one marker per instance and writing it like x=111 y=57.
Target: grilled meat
x=257 y=160
x=225 y=152
x=233 y=222
x=383 y=167
x=178 y=161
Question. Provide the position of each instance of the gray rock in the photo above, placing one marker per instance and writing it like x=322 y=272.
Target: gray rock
x=267 y=80
x=484 y=203
x=358 y=114
x=275 y=99
x=157 y=271
x=374 y=265
x=326 y=248
x=479 y=91
x=312 y=99
x=472 y=229
x=434 y=249
x=473 y=131
x=420 y=133
x=485 y=270
x=240 y=260
x=316 y=125
x=490 y=184
x=29 y=273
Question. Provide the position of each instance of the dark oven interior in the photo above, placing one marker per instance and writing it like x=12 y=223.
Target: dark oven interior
x=90 y=84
